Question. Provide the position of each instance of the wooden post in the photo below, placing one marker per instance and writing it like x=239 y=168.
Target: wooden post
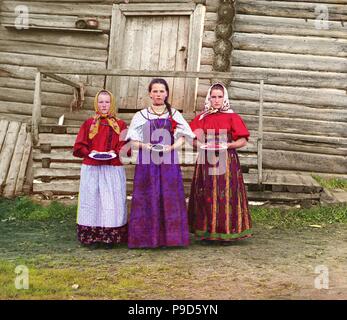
x=36 y=115
x=260 y=133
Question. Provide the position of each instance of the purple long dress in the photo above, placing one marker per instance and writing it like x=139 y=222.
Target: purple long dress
x=158 y=214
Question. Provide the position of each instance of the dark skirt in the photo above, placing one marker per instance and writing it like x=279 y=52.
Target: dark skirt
x=110 y=235
x=218 y=205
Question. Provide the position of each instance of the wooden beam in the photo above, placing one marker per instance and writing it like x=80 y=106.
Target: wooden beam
x=63 y=80
x=36 y=116
x=142 y=73
x=260 y=133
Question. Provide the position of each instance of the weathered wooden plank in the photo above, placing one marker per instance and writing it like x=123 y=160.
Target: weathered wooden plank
x=287 y=77
x=156 y=7
x=3 y=130
x=23 y=166
x=56 y=87
x=44 y=61
x=94 y=10
x=287 y=26
x=7 y=150
x=287 y=44
x=168 y=47
x=48 y=98
x=134 y=61
x=149 y=57
x=288 y=110
x=53 y=50
x=306 y=96
x=281 y=196
x=52 y=21
x=11 y=179
x=194 y=55
x=62 y=38
x=287 y=61
x=58 y=140
x=290 y=9
x=303 y=143
x=179 y=84
x=303 y=161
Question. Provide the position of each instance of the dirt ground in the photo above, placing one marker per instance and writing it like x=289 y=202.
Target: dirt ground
x=274 y=264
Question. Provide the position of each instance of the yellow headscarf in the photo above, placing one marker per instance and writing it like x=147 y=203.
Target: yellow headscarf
x=110 y=117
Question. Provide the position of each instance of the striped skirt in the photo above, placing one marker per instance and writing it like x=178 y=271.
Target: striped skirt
x=218 y=205
x=102 y=209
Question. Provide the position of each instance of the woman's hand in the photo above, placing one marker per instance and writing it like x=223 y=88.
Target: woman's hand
x=167 y=148
x=147 y=146
x=237 y=144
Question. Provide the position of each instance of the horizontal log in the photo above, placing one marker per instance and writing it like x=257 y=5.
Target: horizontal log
x=285 y=61
x=305 y=143
x=44 y=61
x=303 y=161
x=327 y=98
x=28 y=73
x=295 y=78
x=290 y=9
x=50 y=50
x=47 y=86
x=289 y=110
x=281 y=196
x=287 y=26
x=287 y=44
x=47 y=98
x=61 y=38
x=61 y=8
x=52 y=21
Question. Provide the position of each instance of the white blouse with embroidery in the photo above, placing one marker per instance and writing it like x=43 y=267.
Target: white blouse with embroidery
x=135 y=130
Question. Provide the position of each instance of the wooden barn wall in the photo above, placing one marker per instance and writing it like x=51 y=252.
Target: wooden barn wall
x=305 y=71
x=23 y=50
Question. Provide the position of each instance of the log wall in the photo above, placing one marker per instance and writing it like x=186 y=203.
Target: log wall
x=305 y=72
x=52 y=41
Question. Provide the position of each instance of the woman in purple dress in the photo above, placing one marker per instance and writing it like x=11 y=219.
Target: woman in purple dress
x=158 y=214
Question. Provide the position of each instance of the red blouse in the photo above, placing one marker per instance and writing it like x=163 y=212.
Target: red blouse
x=231 y=122
x=105 y=140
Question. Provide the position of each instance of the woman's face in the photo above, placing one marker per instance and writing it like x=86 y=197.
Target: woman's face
x=216 y=98
x=104 y=103
x=158 y=94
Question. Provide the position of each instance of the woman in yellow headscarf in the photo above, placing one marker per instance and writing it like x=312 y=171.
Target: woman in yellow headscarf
x=102 y=210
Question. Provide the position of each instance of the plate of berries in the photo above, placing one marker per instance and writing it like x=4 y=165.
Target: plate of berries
x=102 y=155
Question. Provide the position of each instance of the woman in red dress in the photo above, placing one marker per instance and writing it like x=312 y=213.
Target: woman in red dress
x=218 y=206
x=102 y=209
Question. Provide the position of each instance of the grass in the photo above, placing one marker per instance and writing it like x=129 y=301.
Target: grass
x=331 y=183
x=43 y=238
x=293 y=218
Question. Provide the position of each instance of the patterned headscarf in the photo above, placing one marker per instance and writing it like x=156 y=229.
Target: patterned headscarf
x=208 y=106
x=110 y=117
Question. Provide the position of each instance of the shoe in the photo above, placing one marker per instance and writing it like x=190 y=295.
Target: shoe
x=206 y=242
x=225 y=243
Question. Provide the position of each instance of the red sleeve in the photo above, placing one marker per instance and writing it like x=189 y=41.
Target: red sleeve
x=239 y=129
x=81 y=146
x=196 y=126
x=123 y=146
